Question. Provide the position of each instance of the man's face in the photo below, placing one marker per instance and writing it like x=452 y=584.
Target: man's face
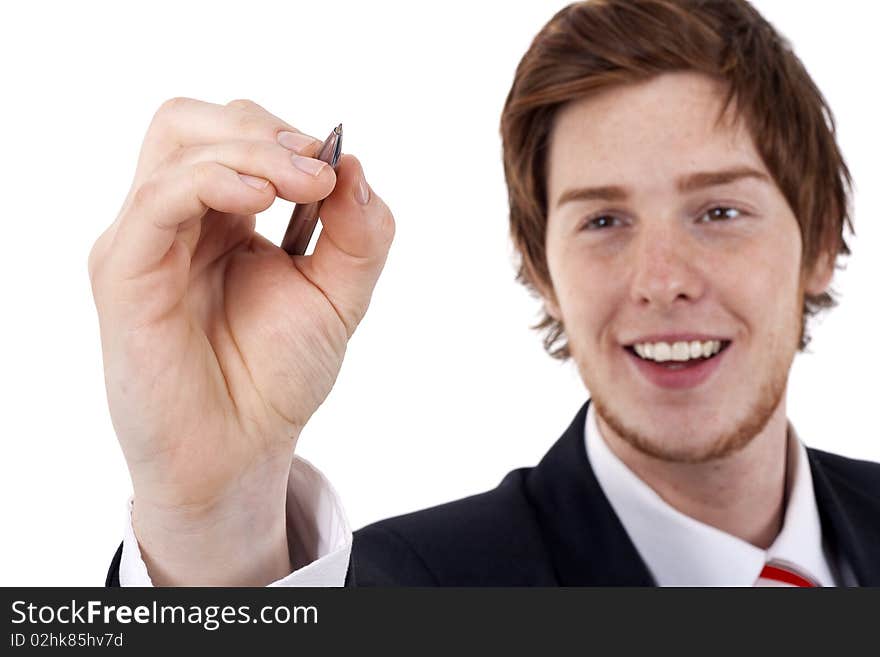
x=668 y=238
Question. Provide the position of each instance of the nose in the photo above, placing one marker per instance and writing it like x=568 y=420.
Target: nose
x=665 y=269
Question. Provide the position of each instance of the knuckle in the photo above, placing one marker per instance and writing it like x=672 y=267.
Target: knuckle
x=250 y=122
x=200 y=172
x=168 y=116
x=93 y=262
x=242 y=103
x=174 y=159
x=146 y=194
x=171 y=107
x=387 y=225
x=249 y=117
x=98 y=256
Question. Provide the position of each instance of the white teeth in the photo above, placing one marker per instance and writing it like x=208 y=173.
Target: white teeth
x=681 y=351
x=662 y=352
x=678 y=351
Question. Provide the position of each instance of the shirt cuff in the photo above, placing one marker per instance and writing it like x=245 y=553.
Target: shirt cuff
x=318 y=534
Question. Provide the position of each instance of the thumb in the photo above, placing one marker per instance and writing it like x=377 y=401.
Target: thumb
x=356 y=234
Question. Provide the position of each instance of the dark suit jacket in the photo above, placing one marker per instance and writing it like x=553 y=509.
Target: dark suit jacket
x=551 y=525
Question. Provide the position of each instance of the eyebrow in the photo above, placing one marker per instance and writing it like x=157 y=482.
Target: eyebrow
x=689 y=183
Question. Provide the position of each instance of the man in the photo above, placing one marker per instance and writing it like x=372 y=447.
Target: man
x=678 y=202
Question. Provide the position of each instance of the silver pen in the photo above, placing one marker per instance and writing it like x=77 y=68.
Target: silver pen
x=305 y=215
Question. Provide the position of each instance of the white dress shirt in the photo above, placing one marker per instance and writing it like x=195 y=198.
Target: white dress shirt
x=681 y=551
x=318 y=530
x=678 y=550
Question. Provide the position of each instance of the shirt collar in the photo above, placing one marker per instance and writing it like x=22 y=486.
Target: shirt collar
x=682 y=551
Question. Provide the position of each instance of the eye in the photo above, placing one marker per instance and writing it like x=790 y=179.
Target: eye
x=720 y=213
x=602 y=221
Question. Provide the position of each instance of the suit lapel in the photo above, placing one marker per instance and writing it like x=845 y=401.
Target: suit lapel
x=586 y=540
x=589 y=545
x=850 y=518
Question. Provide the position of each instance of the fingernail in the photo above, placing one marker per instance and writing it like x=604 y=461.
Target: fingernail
x=307 y=164
x=253 y=181
x=362 y=193
x=296 y=141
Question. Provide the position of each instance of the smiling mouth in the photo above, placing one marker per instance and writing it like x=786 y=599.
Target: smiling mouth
x=673 y=364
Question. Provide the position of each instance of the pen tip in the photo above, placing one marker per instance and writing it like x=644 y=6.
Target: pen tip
x=338 y=129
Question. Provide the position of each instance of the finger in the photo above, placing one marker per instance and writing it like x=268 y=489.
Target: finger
x=295 y=177
x=171 y=202
x=181 y=122
x=356 y=234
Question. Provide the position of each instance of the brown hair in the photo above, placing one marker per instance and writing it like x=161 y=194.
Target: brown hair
x=589 y=46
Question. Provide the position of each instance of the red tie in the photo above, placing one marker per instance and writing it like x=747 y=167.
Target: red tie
x=777 y=573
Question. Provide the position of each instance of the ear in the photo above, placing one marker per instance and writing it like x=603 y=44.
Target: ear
x=819 y=278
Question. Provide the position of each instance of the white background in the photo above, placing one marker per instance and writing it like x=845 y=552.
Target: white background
x=444 y=388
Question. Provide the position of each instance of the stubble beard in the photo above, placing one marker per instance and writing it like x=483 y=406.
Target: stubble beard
x=748 y=425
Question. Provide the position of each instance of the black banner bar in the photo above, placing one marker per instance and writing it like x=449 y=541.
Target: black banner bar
x=334 y=621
